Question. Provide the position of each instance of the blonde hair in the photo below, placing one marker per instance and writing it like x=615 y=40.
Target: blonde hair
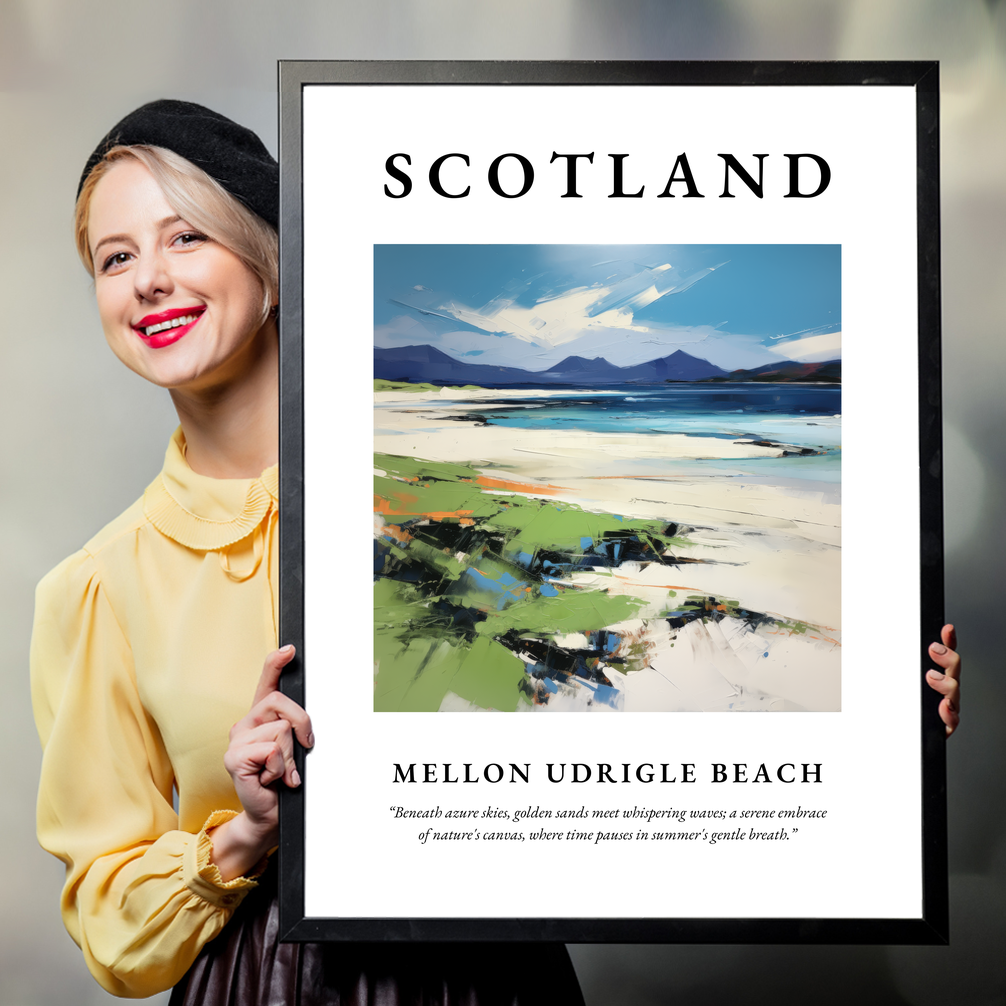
x=199 y=200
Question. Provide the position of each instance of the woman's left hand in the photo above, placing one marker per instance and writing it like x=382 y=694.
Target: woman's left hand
x=947 y=682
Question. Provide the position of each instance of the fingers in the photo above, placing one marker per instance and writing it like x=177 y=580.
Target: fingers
x=277 y=706
x=950 y=716
x=949 y=636
x=947 y=681
x=949 y=688
x=265 y=751
x=945 y=653
x=270 y=703
x=261 y=749
x=948 y=660
x=949 y=713
x=271 y=670
x=262 y=761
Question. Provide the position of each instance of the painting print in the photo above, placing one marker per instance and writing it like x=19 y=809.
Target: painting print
x=607 y=478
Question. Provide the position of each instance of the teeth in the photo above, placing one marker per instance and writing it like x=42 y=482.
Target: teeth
x=174 y=323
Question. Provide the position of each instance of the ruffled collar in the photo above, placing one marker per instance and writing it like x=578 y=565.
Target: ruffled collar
x=203 y=513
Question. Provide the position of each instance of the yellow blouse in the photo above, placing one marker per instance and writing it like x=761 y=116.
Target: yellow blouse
x=147 y=647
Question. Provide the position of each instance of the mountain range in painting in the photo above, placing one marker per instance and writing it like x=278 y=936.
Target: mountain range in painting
x=423 y=363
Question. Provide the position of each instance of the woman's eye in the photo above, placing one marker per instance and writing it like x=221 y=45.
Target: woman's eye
x=190 y=238
x=114 y=261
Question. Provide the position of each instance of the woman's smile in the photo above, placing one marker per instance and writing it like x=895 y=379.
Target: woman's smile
x=166 y=327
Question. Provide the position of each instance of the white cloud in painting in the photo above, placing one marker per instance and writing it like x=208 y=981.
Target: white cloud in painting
x=812 y=349
x=548 y=323
x=568 y=316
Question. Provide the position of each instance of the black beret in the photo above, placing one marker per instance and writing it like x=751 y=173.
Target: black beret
x=230 y=154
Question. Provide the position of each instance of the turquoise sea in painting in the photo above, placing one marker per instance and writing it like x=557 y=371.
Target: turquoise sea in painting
x=805 y=420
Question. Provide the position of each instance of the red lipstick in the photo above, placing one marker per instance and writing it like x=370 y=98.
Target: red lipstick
x=166 y=327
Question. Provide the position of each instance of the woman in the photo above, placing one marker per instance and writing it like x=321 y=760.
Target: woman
x=149 y=642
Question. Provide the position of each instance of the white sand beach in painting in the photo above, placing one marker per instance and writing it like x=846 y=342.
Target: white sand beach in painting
x=770 y=543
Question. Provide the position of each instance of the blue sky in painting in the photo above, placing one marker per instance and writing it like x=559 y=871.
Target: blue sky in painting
x=531 y=306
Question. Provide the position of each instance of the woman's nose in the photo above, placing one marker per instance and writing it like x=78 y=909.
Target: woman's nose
x=152 y=277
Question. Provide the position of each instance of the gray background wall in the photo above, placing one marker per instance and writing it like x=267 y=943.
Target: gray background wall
x=82 y=437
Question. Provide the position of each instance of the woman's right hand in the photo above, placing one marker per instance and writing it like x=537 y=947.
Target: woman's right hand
x=259 y=754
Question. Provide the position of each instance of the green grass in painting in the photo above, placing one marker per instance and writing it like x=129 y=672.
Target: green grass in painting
x=475 y=591
x=470 y=572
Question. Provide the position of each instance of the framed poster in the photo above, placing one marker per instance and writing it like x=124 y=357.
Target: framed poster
x=610 y=419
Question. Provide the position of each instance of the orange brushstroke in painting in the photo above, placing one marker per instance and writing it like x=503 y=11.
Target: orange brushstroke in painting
x=400 y=508
x=517 y=487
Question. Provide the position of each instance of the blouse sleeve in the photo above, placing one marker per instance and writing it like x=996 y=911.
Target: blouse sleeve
x=141 y=898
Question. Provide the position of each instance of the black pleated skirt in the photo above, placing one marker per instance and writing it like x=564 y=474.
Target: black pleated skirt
x=246 y=965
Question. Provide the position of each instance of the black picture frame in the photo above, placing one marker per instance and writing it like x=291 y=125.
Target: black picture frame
x=931 y=927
